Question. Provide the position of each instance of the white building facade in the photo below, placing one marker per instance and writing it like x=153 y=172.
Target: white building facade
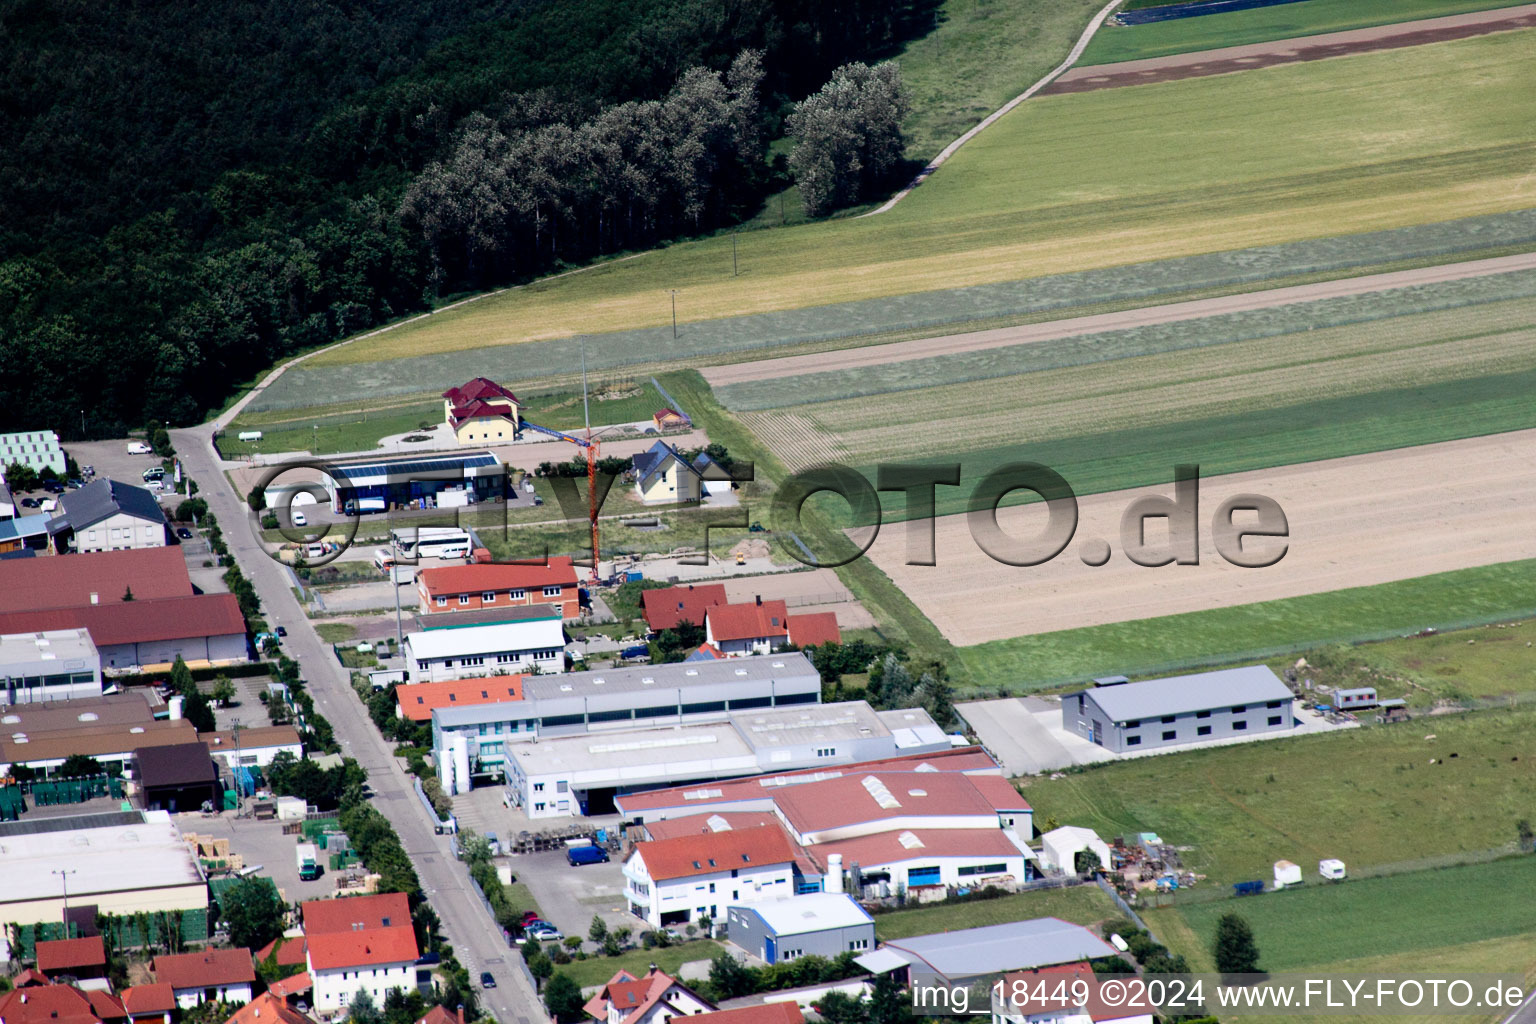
x=469 y=652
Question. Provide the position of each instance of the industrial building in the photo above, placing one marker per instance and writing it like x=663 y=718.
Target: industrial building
x=825 y=924
x=38 y=449
x=121 y=862
x=581 y=774
x=59 y=664
x=1131 y=717
x=532 y=644
x=253 y=747
x=624 y=698
x=108 y=728
x=961 y=957
x=95 y=579
x=422 y=481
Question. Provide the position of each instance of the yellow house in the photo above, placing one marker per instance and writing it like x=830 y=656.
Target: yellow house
x=481 y=412
x=663 y=475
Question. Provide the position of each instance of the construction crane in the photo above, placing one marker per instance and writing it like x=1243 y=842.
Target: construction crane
x=592 y=455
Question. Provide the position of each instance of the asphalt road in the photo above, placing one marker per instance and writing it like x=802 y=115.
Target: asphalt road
x=476 y=940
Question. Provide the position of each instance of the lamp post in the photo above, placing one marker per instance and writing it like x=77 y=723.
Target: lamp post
x=64 y=874
x=673 y=292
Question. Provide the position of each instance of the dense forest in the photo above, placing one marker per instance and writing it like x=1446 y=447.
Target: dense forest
x=191 y=191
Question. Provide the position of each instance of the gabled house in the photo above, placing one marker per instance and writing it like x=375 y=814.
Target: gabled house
x=107 y=515
x=359 y=942
x=32 y=1003
x=268 y=1008
x=214 y=976
x=665 y=607
x=814 y=629
x=650 y=999
x=79 y=958
x=669 y=419
x=663 y=475
x=737 y=630
x=679 y=880
x=149 y=1004
x=481 y=411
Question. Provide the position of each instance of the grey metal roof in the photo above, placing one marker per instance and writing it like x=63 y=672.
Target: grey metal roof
x=650 y=462
x=102 y=499
x=1018 y=945
x=1181 y=695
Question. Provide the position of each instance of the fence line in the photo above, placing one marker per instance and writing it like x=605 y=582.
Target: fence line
x=671 y=402
x=1124 y=907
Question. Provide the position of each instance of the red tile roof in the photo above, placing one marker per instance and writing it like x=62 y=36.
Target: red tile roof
x=149 y=999
x=206 y=969
x=478 y=410
x=475 y=579
x=848 y=800
x=476 y=389
x=267 y=1008
x=138 y=621
x=883 y=848
x=686 y=856
x=633 y=997
x=748 y=621
x=814 y=629
x=438 y=1015
x=62 y=954
x=418 y=699
x=356 y=931
x=290 y=951
x=30 y=976
x=665 y=607
x=47 y=1004
x=1001 y=792
x=106 y=1005
x=786 y=1012
x=291 y=985
x=63 y=581
x=699 y=824
x=762 y=787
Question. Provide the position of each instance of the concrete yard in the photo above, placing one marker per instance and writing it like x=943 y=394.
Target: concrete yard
x=262 y=844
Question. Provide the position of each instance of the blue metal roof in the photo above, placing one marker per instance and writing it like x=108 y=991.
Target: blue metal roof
x=470 y=461
x=22 y=527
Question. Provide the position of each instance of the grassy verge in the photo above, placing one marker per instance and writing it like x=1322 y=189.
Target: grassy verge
x=1082 y=904
x=598 y=969
x=1368 y=796
x=336 y=632
x=1286 y=21
x=1255 y=631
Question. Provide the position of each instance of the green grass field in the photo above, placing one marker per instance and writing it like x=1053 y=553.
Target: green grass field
x=1082 y=904
x=1322 y=925
x=1098 y=179
x=597 y=969
x=1286 y=21
x=1368 y=796
x=1254 y=631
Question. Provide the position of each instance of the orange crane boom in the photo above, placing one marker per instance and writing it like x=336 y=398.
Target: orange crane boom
x=592 y=449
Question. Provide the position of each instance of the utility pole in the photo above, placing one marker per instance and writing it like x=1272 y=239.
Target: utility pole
x=394 y=579
x=673 y=292
x=733 y=252
x=234 y=727
x=64 y=874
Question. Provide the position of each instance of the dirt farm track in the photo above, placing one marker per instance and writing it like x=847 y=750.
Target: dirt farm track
x=1354 y=522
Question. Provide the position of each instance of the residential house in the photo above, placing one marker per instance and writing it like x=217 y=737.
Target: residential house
x=670 y=419
x=214 y=975
x=38 y=1001
x=81 y=958
x=268 y=1008
x=359 y=942
x=528 y=645
x=737 y=630
x=651 y=998
x=677 y=881
x=107 y=515
x=665 y=607
x=785 y=1012
x=663 y=475
x=480 y=412
x=149 y=1004
x=814 y=629
x=458 y=588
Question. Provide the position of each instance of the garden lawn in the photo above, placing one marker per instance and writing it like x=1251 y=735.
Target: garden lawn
x=1285 y=21
x=327 y=433
x=1368 y=796
x=597 y=969
x=1098 y=179
x=1082 y=904
x=1254 y=631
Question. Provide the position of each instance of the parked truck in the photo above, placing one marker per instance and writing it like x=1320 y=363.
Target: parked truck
x=362 y=506
x=307 y=855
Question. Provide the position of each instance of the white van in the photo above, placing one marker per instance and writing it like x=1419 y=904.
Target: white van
x=139 y=448
x=249 y=435
x=315 y=551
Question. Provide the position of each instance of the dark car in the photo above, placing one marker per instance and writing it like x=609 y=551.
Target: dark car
x=53 y=487
x=282 y=631
x=487 y=980
x=183 y=533
x=30 y=503
x=77 y=484
x=637 y=651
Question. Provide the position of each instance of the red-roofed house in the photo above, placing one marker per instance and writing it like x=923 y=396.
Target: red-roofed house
x=1047 y=995
x=214 y=975
x=416 y=700
x=359 y=942
x=47 y=1004
x=676 y=881
x=291 y=985
x=284 y=951
x=814 y=629
x=106 y=1005
x=79 y=958
x=649 y=999
x=669 y=419
x=481 y=411
x=458 y=588
x=738 y=630
x=665 y=607
x=438 y=1015
x=785 y=1012
x=268 y=1008
x=149 y=1004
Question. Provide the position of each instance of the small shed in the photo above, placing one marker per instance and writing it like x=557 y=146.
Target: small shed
x=1059 y=848
x=290 y=808
x=1331 y=868
x=178 y=777
x=1392 y=710
x=1359 y=697
x=1287 y=873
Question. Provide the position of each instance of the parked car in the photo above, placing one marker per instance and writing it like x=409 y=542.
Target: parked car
x=487 y=980
x=299 y=520
x=282 y=630
x=548 y=933
x=637 y=651
x=579 y=855
x=183 y=533
x=75 y=482
x=139 y=448
x=30 y=503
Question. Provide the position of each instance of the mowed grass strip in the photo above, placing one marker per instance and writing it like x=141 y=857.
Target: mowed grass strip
x=1261 y=25
x=1367 y=796
x=1081 y=904
x=1100 y=179
x=1253 y=631
x=1324 y=924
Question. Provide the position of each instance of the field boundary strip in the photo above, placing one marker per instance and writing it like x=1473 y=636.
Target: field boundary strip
x=992 y=118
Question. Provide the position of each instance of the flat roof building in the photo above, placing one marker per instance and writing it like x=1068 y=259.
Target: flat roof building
x=108 y=727
x=36 y=448
x=472 y=476
x=959 y=957
x=59 y=664
x=1130 y=717
x=524 y=645
x=816 y=924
